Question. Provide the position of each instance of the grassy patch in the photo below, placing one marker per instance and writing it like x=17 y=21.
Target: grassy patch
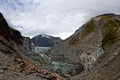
x=89 y=27
x=74 y=40
x=109 y=32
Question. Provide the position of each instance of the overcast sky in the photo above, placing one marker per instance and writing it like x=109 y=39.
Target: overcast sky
x=54 y=17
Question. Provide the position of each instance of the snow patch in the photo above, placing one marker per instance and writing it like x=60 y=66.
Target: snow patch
x=46 y=36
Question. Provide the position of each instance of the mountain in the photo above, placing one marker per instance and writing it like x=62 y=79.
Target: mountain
x=12 y=37
x=9 y=37
x=96 y=46
x=14 y=62
x=44 y=40
x=91 y=53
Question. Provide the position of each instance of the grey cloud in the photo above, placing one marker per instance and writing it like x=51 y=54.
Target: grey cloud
x=54 y=17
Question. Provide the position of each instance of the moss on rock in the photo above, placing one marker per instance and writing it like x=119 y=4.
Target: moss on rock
x=74 y=40
x=89 y=27
x=109 y=32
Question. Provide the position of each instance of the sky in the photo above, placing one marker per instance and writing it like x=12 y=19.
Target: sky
x=60 y=18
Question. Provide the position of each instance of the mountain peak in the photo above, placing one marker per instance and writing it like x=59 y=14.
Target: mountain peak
x=9 y=33
x=95 y=40
x=44 y=40
x=108 y=15
x=45 y=36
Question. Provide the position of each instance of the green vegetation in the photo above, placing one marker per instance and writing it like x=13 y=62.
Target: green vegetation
x=110 y=33
x=74 y=40
x=89 y=27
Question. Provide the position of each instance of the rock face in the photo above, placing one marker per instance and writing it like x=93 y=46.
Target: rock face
x=8 y=36
x=27 y=44
x=96 y=45
x=44 y=40
x=11 y=45
x=14 y=64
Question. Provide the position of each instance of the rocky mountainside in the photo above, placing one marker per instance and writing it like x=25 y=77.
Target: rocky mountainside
x=9 y=37
x=44 y=40
x=91 y=53
x=95 y=45
x=14 y=64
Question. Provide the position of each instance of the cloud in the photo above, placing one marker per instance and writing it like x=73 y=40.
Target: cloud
x=54 y=17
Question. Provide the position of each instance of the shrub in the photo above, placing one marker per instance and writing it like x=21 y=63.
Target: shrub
x=109 y=32
x=89 y=27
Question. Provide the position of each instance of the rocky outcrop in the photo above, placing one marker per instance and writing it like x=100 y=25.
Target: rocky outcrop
x=93 y=45
x=10 y=39
x=28 y=44
x=9 y=33
x=44 y=40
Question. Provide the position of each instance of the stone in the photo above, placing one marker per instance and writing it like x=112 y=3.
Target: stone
x=115 y=54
